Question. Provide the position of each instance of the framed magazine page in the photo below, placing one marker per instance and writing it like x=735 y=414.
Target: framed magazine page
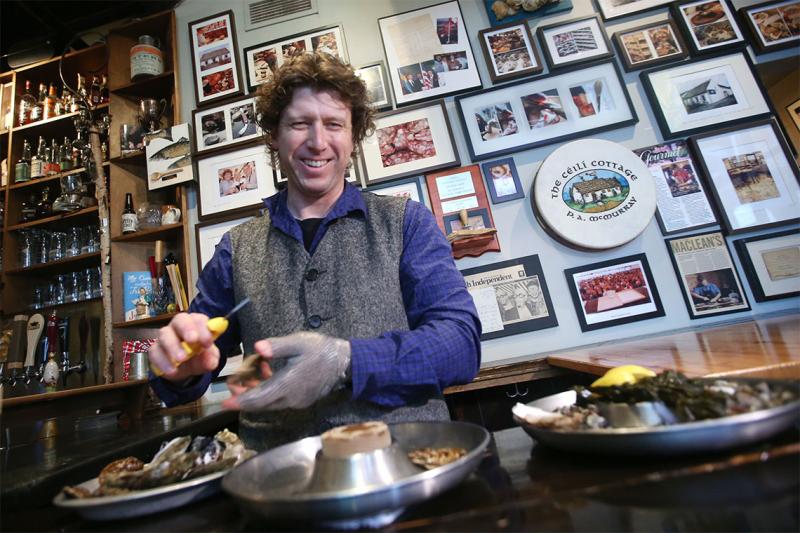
x=408 y=142
x=262 y=60
x=681 y=199
x=705 y=94
x=614 y=9
x=511 y=297
x=574 y=42
x=752 y=175
x=575 y=102
x=410 y=188
x=374 y=76
x=502 y=180
x=234 y=180
x=709 y=283
x=650 y=45
x=510 y=52
x=771 y=264
x=709 y=25
x=428 y=53
x=614 y=292
x=215 y=58
x=772 y=25
x=231 y=123
x=208 y=234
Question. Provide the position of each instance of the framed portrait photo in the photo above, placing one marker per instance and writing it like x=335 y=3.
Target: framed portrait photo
x=409 y=188
x=773 y=25
x=650 y=45
x=374 y=76
x=709 y=283
x=771 y=264
x=574 y=42
x=502 y=180
x=709 y=25
x=752 y=175
x=575 y=102
x=215 y=58
x=510 y=52
x=208 y=234
x=428 y=53
x=234 y=180
x=704 y=94
x=262 y=60
x=233 y=122
x=614 y=292
x=511 y=297
x=615 y=9
x=408 y=141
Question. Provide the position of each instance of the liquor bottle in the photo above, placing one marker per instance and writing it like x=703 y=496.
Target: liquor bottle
x=27 y=212
x=26 y=104
x=66 y=155
x=50 y=102
x=37 y=161
x=104 y=89
x=37 y=113
x=94 y=91
x=81 y=90
x=45 y=207
x=22 y=170
x=62 y=103
x=53 y=165
x=130 y=222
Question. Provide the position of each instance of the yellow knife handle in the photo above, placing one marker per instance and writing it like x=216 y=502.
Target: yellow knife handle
x=216 y=326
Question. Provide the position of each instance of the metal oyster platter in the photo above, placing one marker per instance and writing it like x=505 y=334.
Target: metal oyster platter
x=682 y=438
x=295 y=482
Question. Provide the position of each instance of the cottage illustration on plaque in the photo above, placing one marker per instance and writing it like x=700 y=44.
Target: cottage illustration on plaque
x=169 y=156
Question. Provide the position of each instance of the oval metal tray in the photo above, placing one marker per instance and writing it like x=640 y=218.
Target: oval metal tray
x=273 y=483
x=691 y=437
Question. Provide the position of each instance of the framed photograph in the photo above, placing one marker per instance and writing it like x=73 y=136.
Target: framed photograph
x=773 y=25
x=231 y=123
x=574 y=42
x=410 y=188
x=614 y=292
x=705 y=94
x=511 y=297
x=506 y=11
x=614 y=9
x=502 y=180
x=752 y=174
x=408 y=142
x=215 y=58
x=374 y=76
x=650 y=45
x=510 y=52
x=709 y=25
x=208 y=234
x=262 y=60
x=234 y=180
x=793 y=110
x=573 y=103
x=771 y=264
x=169 y=157
x=708 y=279
x=681 y=198
x=428 y=53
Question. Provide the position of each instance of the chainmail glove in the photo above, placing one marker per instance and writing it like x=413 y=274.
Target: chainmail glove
x=316 y=364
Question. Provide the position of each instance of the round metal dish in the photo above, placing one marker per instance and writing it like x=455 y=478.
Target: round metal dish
x=273 y=484
x=692 y=437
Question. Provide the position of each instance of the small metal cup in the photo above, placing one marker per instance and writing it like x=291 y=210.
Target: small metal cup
x=140 y=365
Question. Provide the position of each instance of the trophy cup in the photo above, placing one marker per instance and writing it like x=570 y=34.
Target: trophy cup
x=150 y=111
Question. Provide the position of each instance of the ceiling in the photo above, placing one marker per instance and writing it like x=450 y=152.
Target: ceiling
x=27 y=24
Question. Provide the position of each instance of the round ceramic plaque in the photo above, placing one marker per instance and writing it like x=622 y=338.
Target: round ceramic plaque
x=593 y=194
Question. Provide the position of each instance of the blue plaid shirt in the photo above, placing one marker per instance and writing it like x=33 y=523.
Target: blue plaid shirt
x=398 y=367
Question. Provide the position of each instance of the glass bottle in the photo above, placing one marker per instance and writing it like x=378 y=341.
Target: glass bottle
x=54 y=160
x=37 y=161
x=28 y=209
x=66 y=155
x=22 y=170
x=130 y=222
x=26 y=104
x=81 y=90
x=104 y=89
x=62 y=103
x=94 y=91
x=50 y=102
x=44 y=208
x=37 y=113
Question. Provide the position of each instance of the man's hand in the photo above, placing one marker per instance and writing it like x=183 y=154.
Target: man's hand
x=317 y=363
x=168 y=352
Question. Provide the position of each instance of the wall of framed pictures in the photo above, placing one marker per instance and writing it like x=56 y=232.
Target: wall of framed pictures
x=515 y=70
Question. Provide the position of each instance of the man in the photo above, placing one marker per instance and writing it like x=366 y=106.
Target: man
x=705 y=291
x=370 y=281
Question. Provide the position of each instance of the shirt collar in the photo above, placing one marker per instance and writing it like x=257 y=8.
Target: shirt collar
x=350 y=201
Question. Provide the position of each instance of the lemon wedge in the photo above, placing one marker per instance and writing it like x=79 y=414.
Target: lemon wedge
x=623 y=374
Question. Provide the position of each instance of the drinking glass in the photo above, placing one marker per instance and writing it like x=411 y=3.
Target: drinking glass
x=42 y=237
x=58 y=245
x=26 y=248
x=74 y=241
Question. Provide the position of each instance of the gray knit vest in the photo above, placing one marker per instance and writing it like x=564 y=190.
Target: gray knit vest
x=349 y=288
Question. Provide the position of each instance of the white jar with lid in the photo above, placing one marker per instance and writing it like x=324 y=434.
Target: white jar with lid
x=146 y=58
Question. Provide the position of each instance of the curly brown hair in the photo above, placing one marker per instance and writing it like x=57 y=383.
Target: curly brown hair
x=320 y=72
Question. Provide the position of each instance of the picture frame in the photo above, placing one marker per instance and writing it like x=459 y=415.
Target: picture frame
x=262 y=59
x=611 y=9
x=708 y=25
x=510 y=52
x=437 y=61
x=231 y=123
x=438 y=153
x=511 y=297
x=793 y=110
x=649 y=45
x=168 y=155
x=682 y=203
x=767 y=23
x=377 y=82
x=704 y=94
x=771 y=264
x=614 y=292
x=574 y=42
x=500 y=12
x=215 y=58
x=502 y=180
x=234 y=180
x=209 y=233
x=409 y=187
x=545 y=110
x=704 y=259
x=752 y=175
